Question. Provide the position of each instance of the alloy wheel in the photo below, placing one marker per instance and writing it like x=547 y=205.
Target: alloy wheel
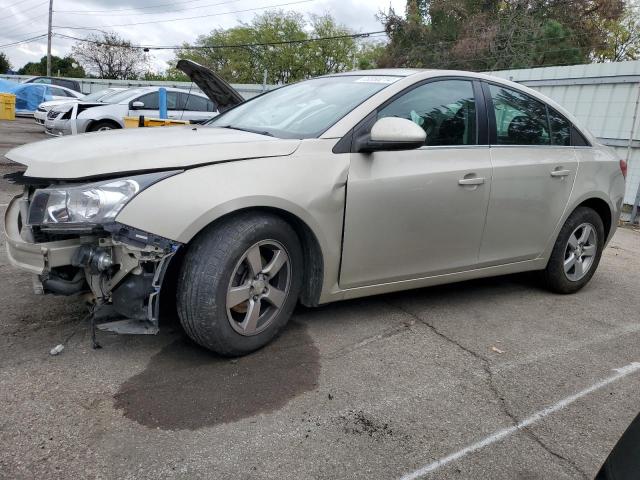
x=259 y=287
x=580 y=252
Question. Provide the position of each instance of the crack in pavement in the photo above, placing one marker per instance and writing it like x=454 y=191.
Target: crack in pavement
x=494 y=390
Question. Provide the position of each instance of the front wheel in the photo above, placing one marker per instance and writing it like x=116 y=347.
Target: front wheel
x=103 y=126
x=239 y=283
x=577 y=252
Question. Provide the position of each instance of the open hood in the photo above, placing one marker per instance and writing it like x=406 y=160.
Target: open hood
x=119 y=152
x=211 y=84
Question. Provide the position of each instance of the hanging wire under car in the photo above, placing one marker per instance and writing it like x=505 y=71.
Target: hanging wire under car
x=89 y=316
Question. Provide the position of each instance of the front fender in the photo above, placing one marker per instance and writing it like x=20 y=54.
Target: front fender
x=310 y=187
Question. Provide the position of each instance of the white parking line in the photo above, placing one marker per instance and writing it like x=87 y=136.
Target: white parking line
x=500 y=434
x=4 y=204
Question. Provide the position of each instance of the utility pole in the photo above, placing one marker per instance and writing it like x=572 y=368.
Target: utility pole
x=49 y=38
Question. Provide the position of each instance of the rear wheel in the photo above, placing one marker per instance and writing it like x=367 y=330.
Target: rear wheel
x=577 y=252
x=239 y=283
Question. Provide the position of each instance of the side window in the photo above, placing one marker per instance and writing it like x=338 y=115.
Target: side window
x=560 y=129
x=520 y=119
x=58 y=92
x=197 y=104
x=68 y=84
x=150 y=101
x=172 y=100
x=182 y=101
x=445 y=109
x=211 y=107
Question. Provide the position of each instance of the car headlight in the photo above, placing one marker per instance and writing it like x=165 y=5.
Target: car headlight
x=89 y=204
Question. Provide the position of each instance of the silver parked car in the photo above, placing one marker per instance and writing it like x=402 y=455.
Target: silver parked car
x=95 y=116
x=334 y=188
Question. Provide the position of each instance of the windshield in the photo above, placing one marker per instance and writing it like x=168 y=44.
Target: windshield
x=305 y=109
x=99 y=95
x=126 y=94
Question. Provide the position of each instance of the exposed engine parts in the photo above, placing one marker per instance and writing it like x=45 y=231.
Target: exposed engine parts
x=121 y=274
x=97 y=259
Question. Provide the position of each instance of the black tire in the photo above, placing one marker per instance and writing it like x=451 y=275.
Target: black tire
x=103 y=125
x=211 y=260
x=554 y=275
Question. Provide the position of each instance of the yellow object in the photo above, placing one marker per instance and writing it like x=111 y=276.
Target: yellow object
x=133 y=122
x=7 y=106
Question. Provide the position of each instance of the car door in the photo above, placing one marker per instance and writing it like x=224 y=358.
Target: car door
x=534 y=167
x=417 y=213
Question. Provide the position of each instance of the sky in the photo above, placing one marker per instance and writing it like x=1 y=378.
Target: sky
x=23 y=19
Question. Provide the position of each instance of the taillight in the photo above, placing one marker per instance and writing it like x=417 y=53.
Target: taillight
x=623 y=168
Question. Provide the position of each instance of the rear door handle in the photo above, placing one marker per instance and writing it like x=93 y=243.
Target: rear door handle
x=560 y=173
x=471 y=181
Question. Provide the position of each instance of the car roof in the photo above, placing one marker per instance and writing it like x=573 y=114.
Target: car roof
x=389 y=72
x=153 y=88
x=60 y=86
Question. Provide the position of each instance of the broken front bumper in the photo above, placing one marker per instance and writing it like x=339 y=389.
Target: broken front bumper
x=34 y=257
x=122 y=275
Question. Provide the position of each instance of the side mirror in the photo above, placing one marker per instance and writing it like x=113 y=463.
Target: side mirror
x=137 y=105
x=392 y=133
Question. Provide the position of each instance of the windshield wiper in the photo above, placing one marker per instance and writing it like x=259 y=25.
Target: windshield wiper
x=250 y=130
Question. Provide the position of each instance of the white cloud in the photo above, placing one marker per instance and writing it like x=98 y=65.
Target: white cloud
x=29 y=18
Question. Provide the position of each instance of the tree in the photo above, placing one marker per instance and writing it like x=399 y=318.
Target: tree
x=369 y=55
x=622 y=40
x=63 y=67
x=497 y=34
x=5 y=65
x=110 y=56
x=234 y=55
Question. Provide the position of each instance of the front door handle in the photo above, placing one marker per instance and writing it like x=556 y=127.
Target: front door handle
x=560 y=173
x=471 y=181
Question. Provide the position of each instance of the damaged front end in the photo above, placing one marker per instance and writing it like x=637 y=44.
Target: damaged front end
x=66 y=234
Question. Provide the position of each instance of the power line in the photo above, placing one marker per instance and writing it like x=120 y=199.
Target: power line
x=16 y=4
x=244 y=45
x=68 y=12
x=189 y=18
x=4 y=17
x=17 y=26
x=379 y=33
x=26 y=40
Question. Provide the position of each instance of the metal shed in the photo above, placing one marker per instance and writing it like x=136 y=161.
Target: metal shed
x=604 y=98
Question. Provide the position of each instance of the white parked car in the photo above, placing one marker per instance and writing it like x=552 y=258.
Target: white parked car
x=84 y=117
x=101 y=96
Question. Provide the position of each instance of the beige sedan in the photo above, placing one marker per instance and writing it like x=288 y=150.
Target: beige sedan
x=338 y=187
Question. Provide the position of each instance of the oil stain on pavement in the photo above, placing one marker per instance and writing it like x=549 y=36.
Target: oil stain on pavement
x=187 y=387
